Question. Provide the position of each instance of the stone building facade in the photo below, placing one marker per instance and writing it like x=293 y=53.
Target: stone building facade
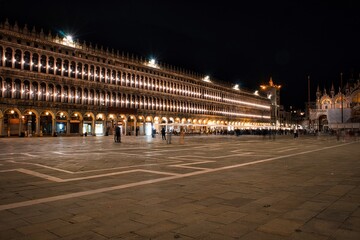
x=337 y=109
x=55 y=85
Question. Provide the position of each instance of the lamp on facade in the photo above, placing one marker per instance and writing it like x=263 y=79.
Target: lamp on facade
x=206 y=78
x=152 y=63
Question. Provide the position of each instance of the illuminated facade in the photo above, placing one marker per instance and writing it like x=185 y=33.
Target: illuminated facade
x=51 y=84
x=336 y=110
x=272 y=91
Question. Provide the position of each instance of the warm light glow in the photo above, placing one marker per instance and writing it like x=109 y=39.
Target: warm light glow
x=69 y=38
x=236 y=87
x=206 y=79
x=152 y=63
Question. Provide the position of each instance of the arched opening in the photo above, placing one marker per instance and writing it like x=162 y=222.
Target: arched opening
x=29 y=123
x=323 y=123
x=11 y=122
x=27 y=60
x=43 y=64
x=58 y=66
x=88 y=123
x=75 y=123
x=8 y=57
x=51 y=65
x=17 y=89
x=17 y=59
x=61 y=123
x=131 y=128
x=65 y=68
x=46 y=123
x=99 y=124
x=35 y=62
x=8 y=88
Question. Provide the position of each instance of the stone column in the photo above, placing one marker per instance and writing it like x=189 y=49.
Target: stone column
x=53 y=126
x=37 y=130
x=81 y=124
x=67 y=127
x=93 y=127
x=124 y=128
x=2 y=126
x=20 y=125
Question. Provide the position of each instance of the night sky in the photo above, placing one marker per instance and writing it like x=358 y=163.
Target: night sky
x=242 y=42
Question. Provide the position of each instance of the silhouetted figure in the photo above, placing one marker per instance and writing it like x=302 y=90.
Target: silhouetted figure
x=118 y=134
x=163 y=133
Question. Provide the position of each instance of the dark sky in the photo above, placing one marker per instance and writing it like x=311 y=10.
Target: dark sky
x=243 y=42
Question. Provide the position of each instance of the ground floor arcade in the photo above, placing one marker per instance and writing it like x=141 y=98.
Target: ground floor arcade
x=42 y=122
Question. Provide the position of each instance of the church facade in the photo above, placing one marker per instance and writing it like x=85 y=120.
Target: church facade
x=337 y=109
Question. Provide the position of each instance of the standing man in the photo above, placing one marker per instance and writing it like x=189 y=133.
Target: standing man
x=118 y=134
x=163 y=133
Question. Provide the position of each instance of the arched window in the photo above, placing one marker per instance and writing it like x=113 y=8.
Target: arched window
x=7 y=88
x=43 y=61
x=113 y=77
x=35 y=92
x=72 y=69
x=78 y=96
x=107 y=99
x=92 y=72
x=51 y=65
x=35 y=62
x=102 y=75
x=42 y=92
x=97 y=98
x=26 y=93
x=50 y=93
x=8 y=57
x=92 y=96
x=65 y=94
x=85 y=98
x=58 y=67
x=27 y=60
x=58 y=93
x=97 y=73
x=108 y=76
x=79 y=71
x=17 y=60
x=17 y=89
x=65 y=68
x=86 y=72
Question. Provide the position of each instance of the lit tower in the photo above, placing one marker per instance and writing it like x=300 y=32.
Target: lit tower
x=273 y=93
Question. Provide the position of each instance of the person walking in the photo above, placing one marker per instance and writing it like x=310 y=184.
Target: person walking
x=163 y=133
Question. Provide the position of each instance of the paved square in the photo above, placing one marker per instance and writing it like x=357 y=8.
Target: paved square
x=209 y=187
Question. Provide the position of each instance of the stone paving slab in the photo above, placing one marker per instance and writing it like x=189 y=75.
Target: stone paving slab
x=210 y=187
